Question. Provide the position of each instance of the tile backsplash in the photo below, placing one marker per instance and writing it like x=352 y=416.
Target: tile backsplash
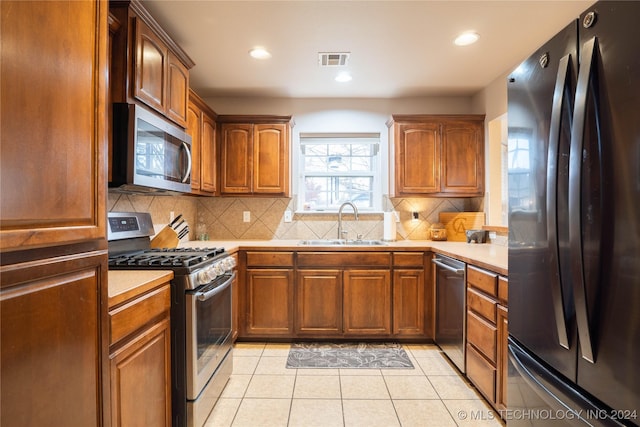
x=223 y=216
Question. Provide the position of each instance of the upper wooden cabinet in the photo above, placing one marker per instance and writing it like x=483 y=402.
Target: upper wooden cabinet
x=201 y=126
x=147 y=65
x=437 y=155
x=254 y=155
x=52 y=173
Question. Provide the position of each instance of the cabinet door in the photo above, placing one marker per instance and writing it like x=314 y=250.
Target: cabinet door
x=367 y=302
x=417 y=158
x=408 y=302
x=270 y=302
x=150 y=67
x=208 y=155
x=177 y=90
x=271 y=159
x=236 y=158
x=319 y=302
x=141 y=379
x=502 y=364
x=194 y=130
x=53 y=341
x=53 y=115
x=463 y=158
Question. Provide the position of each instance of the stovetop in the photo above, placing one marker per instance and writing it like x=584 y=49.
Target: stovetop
x=187 y=258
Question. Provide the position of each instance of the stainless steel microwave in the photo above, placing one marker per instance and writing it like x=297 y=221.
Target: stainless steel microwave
x=150 y=154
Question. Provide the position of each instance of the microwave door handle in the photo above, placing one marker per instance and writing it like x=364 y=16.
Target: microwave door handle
x=559 y=99
x=203 y=296
x=185 y=178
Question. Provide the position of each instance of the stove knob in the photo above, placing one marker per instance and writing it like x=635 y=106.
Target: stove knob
x=229 y=263
x=204 y=277
x=218 y=269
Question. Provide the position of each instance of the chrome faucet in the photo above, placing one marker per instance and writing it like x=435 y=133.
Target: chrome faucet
x=355 y=211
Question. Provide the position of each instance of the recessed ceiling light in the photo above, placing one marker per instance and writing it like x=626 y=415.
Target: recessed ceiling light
x=260 y=53
x=343 y=77
x=467 y=38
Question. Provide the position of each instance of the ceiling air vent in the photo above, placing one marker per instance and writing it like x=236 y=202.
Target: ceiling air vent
x=333 y=59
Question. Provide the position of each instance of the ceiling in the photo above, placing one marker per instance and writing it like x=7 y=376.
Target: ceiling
x=398 y=48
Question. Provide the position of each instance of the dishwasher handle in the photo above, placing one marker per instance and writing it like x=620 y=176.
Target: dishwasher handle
x=439 y=263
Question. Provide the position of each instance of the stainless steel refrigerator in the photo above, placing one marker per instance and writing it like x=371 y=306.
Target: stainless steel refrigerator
x=574 y=225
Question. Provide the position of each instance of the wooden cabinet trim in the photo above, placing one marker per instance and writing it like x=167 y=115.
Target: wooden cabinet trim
x=503 y=290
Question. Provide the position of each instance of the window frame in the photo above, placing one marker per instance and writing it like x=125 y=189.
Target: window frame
x=375 y=174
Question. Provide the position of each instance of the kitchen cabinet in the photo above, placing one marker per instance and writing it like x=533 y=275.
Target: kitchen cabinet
x=147 y=65
x=201 y=126
x=318 y=302
x=487 y=334
x=343 y=294
x=268 y=294
x=409 y=294
x=436 y=155
x=140 y=359
x=254 y=155
x=53 y=278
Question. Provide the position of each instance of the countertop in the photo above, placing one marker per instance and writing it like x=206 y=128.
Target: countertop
x=490 y=256
x=127 y=284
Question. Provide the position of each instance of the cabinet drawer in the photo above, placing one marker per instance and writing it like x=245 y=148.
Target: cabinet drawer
x=344 y=259
x=481 y=373
x=484 y=280
x=269 y=259
x=133 y=315
x=408 y=259
x=481 y=304
x=503 y=289
x=482 y=335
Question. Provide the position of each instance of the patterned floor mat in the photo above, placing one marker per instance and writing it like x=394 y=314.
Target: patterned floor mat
x=348 y=355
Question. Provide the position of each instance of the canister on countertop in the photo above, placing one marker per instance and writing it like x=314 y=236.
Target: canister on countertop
x=437 y=231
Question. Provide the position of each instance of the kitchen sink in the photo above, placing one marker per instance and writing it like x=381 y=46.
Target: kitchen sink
x=340 y=242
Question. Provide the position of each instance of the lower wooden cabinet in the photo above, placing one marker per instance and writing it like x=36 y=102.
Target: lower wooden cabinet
x=409 y=303
x=326 y=295
x=487 y=334
x=269 y=302
x=140 y=360
x=319 y=302
x=367 y=302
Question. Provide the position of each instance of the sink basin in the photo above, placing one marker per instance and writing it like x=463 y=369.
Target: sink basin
x=338 y=242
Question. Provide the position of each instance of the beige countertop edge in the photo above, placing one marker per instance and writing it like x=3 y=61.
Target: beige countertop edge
x=490 y=256
x=127 y=284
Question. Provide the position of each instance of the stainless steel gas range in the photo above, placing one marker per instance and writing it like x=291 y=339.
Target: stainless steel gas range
x=202 y=356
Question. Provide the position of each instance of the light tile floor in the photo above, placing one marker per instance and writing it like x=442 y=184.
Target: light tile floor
x=262 y=392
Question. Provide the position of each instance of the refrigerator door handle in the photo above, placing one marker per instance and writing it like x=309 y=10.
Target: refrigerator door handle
x=575 y=194
x=559 y=99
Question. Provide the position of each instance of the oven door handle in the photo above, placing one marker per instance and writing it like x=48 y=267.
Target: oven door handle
x=203 y=296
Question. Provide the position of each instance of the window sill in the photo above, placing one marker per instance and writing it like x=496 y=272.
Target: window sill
x=335 y=212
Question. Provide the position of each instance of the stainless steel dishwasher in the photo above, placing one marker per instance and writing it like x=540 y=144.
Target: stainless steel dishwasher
x=451 y=308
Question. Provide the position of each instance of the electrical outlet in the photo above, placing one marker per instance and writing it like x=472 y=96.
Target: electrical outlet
x=246 y=216
x=288 y=216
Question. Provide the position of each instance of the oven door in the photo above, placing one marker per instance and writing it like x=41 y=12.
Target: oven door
x=208 y=331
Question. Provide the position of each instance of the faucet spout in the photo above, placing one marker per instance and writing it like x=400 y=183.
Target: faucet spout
x=342 y=206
